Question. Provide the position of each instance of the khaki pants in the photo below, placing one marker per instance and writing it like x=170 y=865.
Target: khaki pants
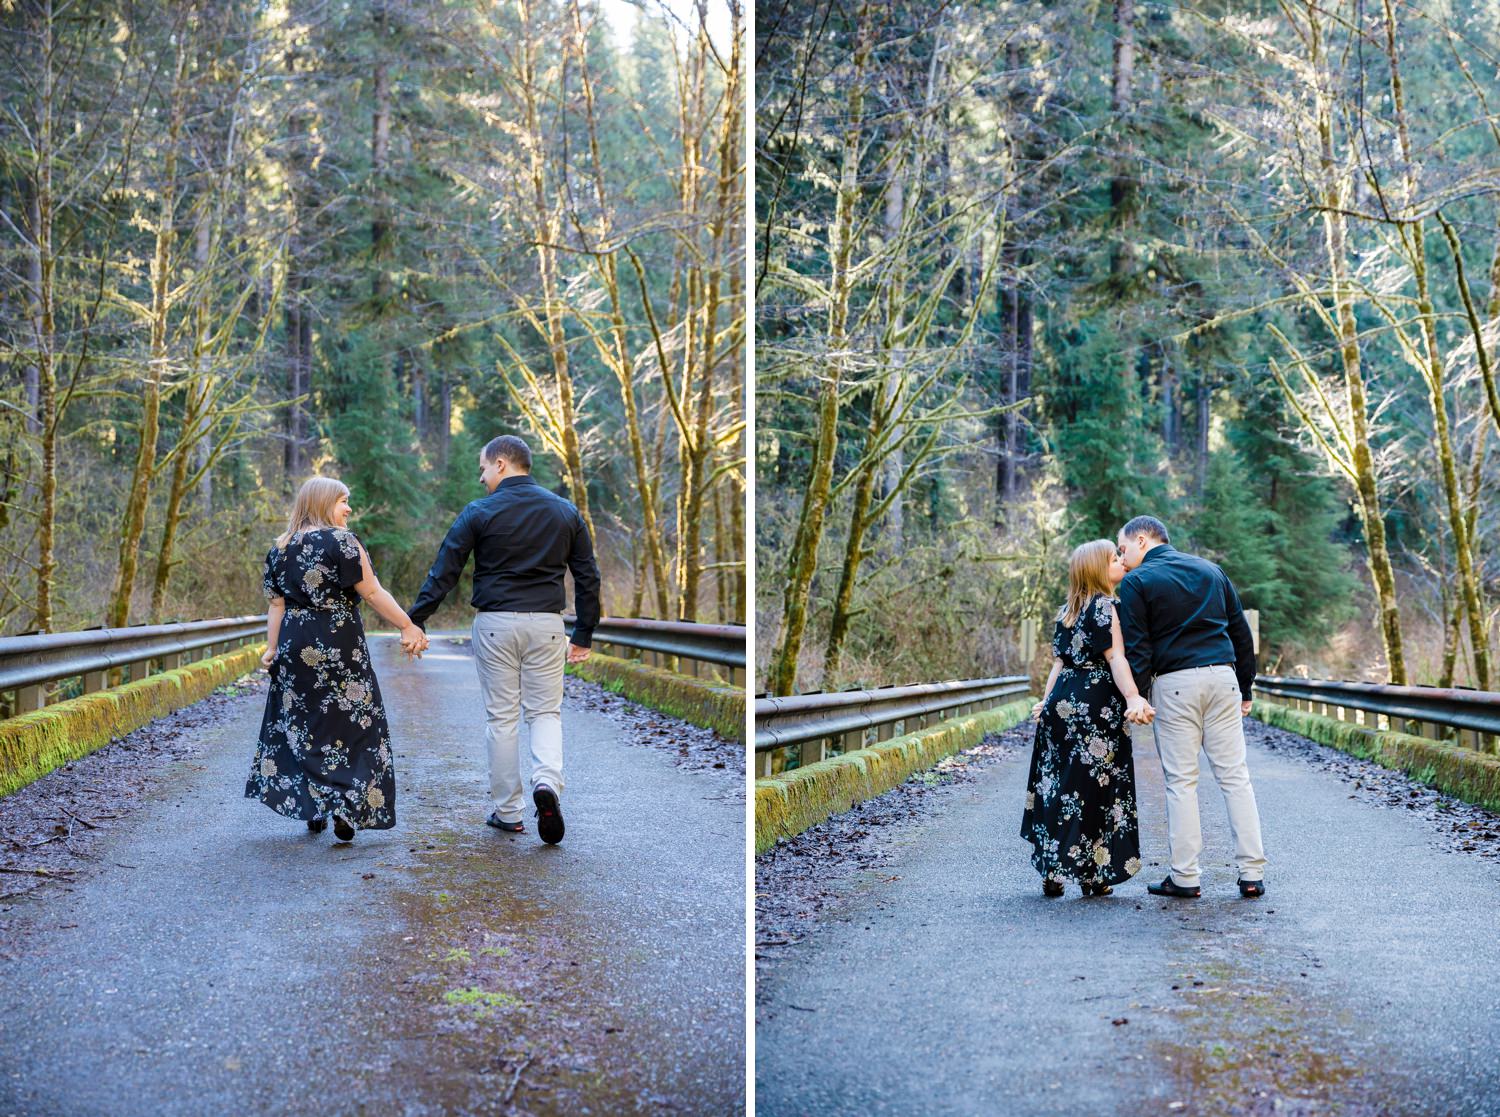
x=520 y=657
x=1199 y=708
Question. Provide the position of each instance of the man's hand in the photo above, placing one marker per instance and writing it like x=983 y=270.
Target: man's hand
x=1244 y=709
x=1138 y=711
x=577 y=654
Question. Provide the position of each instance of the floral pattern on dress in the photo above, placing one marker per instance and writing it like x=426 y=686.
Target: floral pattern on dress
x=325 y=747
x=1080 y=814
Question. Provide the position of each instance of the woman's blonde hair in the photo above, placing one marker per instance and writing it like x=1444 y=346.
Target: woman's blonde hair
x=313 y=507
x=1088 y=575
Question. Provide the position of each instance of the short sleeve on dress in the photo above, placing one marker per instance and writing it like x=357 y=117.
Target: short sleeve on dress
x=1100 y=616
x=346 y=551
x=268 y=583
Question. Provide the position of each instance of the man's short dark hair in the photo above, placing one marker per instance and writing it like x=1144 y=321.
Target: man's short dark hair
x=1146 y=525
x=512 y=449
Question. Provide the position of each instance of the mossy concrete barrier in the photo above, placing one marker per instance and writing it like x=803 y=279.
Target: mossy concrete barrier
x=788 y=803
x=713 y=706
x=1464 y=773
x=34 y=744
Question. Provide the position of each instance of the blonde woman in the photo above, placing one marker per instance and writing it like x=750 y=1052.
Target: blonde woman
x=325 y=748
x=1080 y=797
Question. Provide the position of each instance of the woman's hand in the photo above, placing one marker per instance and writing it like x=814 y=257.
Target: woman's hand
x=268 y=657
x=1036 y=711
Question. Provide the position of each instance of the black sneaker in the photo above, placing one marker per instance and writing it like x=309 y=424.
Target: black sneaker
x=317 y=825
x=517 y=827
x=549 y=819
x=1252 y=889
x=342 y=830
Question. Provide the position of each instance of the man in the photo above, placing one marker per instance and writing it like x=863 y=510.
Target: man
x=523 y=538
x=1188 y=643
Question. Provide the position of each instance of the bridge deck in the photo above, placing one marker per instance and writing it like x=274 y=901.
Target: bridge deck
x=221 y=960
x=942 y=981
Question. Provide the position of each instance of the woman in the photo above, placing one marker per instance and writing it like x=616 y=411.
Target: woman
x=325 y=748
x=1080 y=798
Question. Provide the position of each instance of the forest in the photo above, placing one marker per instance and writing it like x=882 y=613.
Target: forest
x=1022 y=271
x=245 y=242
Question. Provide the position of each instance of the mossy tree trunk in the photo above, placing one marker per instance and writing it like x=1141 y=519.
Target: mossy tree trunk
x=781 y=678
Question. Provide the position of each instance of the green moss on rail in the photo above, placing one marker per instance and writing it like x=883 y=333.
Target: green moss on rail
x=34 y=744
x=1464 y=773
x=787 y=804
x=717 y=707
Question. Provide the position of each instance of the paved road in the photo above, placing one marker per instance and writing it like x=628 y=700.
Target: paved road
x=221 y=960
x=1367 y=981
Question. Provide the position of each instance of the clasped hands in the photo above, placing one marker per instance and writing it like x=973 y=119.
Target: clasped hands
x=1139 y=712
x=413 y=641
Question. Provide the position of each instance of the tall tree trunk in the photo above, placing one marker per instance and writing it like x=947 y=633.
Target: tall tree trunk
x=1200 y=442
x=781 y=677
x=46 y=328
x=198 y=393
x=1334 y=180
x=1414 y=237
x=1122 y=185
x=133 y=525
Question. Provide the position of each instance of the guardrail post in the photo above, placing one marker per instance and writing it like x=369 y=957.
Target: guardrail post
x=885 y=731
x=810 y=752
x=763 y=764
x=171 y=662
x=30 y=699
x=94 y=680
x=854 y=739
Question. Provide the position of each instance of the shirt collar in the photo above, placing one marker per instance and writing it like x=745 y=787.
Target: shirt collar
x=518 y=479
x=1161 y=550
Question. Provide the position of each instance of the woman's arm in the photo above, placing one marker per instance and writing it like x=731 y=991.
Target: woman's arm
x=377 y=597
x=1036 y=711
x=274 y=614
x=1136 y=706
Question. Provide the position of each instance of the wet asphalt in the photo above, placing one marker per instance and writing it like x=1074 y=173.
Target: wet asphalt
x=219 y=959
x=1366 y=982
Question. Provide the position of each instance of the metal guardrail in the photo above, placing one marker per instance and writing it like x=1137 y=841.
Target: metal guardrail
x=1474 y=715
x=845 y=719
x=720 y=644
x=29 y=663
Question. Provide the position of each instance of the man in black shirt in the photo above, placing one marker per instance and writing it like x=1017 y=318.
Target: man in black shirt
x=523 y=538
x=1189 y=646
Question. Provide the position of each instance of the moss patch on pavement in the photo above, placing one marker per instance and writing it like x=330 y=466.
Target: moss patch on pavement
x=789 y=803
x=713 y=706
x=1460 y=772
x=34 y=744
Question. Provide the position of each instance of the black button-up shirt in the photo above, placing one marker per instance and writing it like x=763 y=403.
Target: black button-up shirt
x=1179 y=611
x=523 y=537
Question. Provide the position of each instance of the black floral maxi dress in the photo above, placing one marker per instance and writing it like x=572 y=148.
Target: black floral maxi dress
x=325 y=747
x=1080 y=797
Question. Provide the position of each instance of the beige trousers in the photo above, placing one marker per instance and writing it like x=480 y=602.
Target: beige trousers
x=1199 y=709
x=520 y=657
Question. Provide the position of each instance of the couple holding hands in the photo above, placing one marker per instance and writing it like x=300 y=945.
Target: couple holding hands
x=1141 y=612
x=325 y=746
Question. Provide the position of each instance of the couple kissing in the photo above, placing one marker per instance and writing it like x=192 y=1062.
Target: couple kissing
x=1142 y=618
